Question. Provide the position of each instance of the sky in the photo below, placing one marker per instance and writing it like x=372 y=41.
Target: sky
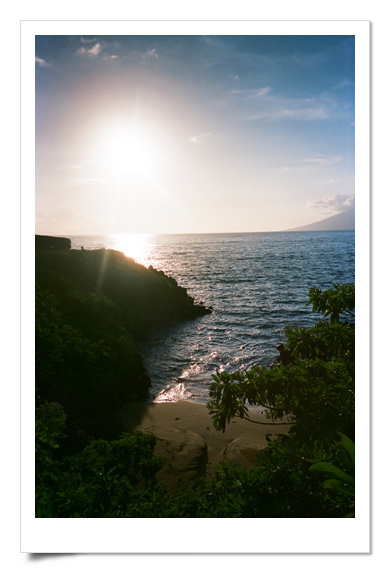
x=192 y=134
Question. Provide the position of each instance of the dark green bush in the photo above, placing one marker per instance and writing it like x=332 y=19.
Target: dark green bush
x=105 y=479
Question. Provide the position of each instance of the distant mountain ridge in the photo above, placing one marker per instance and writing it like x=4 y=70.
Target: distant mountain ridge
x=344 y=221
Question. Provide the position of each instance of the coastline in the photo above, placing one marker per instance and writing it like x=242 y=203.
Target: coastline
x=188 y=442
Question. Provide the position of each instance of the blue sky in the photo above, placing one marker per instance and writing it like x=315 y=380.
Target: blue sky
x=175 y=134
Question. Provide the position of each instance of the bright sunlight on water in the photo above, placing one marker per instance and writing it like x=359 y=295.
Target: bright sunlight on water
x=136 y=247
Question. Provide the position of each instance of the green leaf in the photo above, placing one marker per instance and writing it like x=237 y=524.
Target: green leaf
x=348 y=445
x=336 y=485
x=332 y=471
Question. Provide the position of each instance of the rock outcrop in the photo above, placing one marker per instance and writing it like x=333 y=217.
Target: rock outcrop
x=46 y=243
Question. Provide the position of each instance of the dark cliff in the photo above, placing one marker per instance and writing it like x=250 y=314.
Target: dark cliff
x=91 y=306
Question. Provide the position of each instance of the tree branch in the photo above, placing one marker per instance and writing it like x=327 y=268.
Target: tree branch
x=268 y=423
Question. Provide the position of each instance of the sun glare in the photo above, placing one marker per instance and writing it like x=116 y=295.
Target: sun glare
x=128 y=152
x=134 y=246
x=127 y=149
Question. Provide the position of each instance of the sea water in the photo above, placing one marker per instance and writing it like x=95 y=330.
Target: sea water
x=256 y=283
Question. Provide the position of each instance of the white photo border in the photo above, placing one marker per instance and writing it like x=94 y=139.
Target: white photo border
x=249 y=536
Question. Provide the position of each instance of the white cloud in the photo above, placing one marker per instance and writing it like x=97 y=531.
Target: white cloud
x=94 y=51
x=261 y=104
x=89 y=181
x=77 y=166
x=337 y=203
x=198 y=138
x=342 y=84
x=252 y=93
x=88 y=40
x=41 y=62
x=262 y=92
x=297 y=110
x=315 y=161
x=151 y=54
x=319 y=160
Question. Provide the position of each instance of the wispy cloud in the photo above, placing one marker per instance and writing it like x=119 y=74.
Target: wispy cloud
x=337 y=203
x=343 y=84
x=251 y=93
x=41 y=62
x=84 y=40
x=316 y=161
x=198 y=138
x=150 y=54
x=261 y=104
x=95 y=47
x=319 y=160
x=77 y=166
x=295 y=110
x=89 y=181
x=92 y=51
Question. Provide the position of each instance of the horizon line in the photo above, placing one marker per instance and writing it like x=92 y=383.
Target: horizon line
x=196 y=233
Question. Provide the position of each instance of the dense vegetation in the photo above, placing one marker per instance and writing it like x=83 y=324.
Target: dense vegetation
x=90 y=308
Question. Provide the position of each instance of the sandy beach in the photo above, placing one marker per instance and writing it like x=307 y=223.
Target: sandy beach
x=188 y=442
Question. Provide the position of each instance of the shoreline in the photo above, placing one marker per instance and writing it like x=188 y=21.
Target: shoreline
x=189 y=443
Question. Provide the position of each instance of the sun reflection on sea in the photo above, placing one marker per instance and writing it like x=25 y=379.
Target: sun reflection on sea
x=136 y=247
x=173 y=393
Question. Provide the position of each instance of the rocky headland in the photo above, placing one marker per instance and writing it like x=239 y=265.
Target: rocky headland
x=91 y=308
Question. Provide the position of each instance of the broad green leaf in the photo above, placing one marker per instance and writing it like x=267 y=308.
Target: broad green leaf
x=349 y=446
x=339 y=487
x=332 y=471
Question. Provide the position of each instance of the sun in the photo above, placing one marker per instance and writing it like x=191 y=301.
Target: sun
x=127 y=149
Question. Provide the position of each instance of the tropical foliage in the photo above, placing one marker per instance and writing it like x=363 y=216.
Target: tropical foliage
x=105 y=479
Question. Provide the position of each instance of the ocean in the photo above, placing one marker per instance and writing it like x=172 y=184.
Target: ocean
x=257 y=283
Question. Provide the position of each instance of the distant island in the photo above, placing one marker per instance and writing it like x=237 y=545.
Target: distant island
x=344 y=221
